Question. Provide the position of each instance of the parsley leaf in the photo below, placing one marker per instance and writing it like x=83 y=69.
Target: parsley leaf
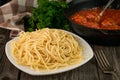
x=49 y=14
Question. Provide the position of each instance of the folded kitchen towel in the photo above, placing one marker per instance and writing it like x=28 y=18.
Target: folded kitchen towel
x=13 y=11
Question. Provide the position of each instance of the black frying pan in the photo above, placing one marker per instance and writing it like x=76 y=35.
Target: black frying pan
x=97 y=36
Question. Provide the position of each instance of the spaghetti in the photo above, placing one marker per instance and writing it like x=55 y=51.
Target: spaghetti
x=46 y=49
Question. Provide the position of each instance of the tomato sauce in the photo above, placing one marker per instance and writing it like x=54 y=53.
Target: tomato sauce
x=110 y=20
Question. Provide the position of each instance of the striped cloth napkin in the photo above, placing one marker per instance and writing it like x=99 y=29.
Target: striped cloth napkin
x=14 y=11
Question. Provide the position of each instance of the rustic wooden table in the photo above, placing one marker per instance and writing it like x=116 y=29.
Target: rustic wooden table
x=89 y=71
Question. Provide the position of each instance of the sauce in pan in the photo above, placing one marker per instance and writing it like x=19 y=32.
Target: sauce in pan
x=90 y=18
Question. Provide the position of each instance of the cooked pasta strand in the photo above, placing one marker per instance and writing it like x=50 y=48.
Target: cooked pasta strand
x=46 y=49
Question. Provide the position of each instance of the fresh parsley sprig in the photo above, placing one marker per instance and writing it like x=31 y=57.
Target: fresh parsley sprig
x=49 y=14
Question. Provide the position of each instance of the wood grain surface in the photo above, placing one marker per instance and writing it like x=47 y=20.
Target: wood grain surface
x=89 y=71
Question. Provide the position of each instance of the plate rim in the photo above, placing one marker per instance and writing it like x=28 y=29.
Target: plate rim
x=61 y=70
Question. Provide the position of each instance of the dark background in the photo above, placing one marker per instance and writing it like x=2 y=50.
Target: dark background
x=3 y=2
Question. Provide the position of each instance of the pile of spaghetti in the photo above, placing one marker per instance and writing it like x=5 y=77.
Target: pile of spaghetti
x=46 y=49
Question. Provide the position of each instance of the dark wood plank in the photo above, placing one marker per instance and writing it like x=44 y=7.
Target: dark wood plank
x=117 y=59
x=1 y=51
x=85 y=72
x=89 y=71
x=3 y=40
x=7 y=70
x=110 y=52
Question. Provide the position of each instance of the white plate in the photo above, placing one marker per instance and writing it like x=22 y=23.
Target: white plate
x=87 y=54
